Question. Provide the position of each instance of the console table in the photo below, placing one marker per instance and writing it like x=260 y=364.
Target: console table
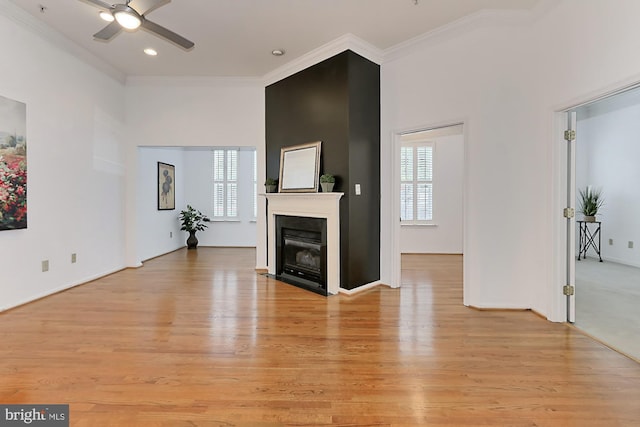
x=587 y=239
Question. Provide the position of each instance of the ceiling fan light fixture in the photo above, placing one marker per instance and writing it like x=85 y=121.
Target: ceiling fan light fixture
x=106 y=16
x=126 y=17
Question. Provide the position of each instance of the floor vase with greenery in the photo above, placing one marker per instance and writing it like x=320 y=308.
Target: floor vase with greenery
x=192 y=220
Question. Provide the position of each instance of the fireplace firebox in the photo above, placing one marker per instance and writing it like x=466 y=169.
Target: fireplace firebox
x=301 y=252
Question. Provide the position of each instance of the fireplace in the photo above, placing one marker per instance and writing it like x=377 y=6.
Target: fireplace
x=315 y=213
x=301 y=252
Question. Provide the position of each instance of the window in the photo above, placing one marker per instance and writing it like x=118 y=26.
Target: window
x=225 y=183
x=234 y=177
x=416 y=182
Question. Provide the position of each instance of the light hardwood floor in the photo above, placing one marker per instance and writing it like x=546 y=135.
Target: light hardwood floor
x=198 y=338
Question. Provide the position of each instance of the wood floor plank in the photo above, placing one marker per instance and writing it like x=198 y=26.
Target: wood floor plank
x=198 y=338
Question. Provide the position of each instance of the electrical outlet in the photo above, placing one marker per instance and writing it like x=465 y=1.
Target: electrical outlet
x=610 y=242
x=357 y=189
x=45 y=265
x=73 y=258
x=630 y=244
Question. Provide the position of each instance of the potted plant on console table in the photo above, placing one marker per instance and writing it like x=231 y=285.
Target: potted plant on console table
x=590 y=203
x=192 y=220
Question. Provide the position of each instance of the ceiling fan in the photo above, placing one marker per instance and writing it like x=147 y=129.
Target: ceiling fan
x=131 y=15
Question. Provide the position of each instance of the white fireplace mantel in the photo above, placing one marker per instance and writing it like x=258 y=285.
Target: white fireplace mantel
x=314 y=205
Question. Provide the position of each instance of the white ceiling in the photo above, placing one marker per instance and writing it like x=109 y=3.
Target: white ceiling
x=236 y=37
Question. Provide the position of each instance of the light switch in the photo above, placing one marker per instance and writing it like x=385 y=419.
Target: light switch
x=357 y=189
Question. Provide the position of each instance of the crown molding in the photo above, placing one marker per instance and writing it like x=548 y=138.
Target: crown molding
x=482 y=19
x=24 y=19
x=339 y=45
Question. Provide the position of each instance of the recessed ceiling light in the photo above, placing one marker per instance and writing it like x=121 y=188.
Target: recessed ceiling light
x=278 y=52
x=106 y=16
x=150 y=52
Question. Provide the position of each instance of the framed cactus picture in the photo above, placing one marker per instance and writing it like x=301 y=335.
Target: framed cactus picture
x=13 y=164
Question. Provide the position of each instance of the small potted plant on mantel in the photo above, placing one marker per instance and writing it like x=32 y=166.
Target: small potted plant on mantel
x=271 y=185
x=327 y=182
x=590 y=203
x=192 y=220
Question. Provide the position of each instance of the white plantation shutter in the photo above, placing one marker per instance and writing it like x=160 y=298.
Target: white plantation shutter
x=232 y=183
x=225 y=183
x=416 y=182
x=255 y=185
x=406 y=202
x=232 y=165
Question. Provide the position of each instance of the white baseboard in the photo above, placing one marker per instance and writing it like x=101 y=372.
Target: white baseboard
x=362 y=288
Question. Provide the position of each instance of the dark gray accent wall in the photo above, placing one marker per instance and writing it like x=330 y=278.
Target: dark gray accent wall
x=337 y=102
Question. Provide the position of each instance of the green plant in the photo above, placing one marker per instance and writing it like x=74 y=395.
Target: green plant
x=590 y=201
x=270 y=181
x=327 y=177
x=192 y=220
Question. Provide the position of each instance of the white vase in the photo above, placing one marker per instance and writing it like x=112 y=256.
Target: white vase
x=327 y=187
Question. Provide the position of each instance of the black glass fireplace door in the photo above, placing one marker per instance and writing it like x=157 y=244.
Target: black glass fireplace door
x=301 y=253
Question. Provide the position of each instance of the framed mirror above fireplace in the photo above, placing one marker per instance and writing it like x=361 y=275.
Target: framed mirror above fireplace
x=299 y=168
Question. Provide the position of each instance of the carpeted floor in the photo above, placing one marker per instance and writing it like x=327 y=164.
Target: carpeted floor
x=608 y=304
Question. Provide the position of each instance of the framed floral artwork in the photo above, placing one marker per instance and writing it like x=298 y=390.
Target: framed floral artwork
x=166 y=186
x=13 y=164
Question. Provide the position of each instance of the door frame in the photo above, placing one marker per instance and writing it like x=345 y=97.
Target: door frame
x=562 y=309
x=396 y=262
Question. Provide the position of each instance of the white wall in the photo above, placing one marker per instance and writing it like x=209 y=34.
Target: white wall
x=445 y=235
x=607 y=157
x=505 y=80
x=477 y=76
x=76 y=167
x=199 y=112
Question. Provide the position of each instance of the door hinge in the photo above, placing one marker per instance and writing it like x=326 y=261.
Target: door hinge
x=569 y=135
x=569 y=212
x=568 y=290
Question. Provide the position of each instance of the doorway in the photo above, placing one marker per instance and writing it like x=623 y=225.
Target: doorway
x=428 y=194
x=606 y=263
x=431 y=167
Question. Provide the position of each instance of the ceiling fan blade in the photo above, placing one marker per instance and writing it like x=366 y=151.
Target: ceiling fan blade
x=99 y=3
x=167 y=34
x=145 y=6
x=108 y=32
